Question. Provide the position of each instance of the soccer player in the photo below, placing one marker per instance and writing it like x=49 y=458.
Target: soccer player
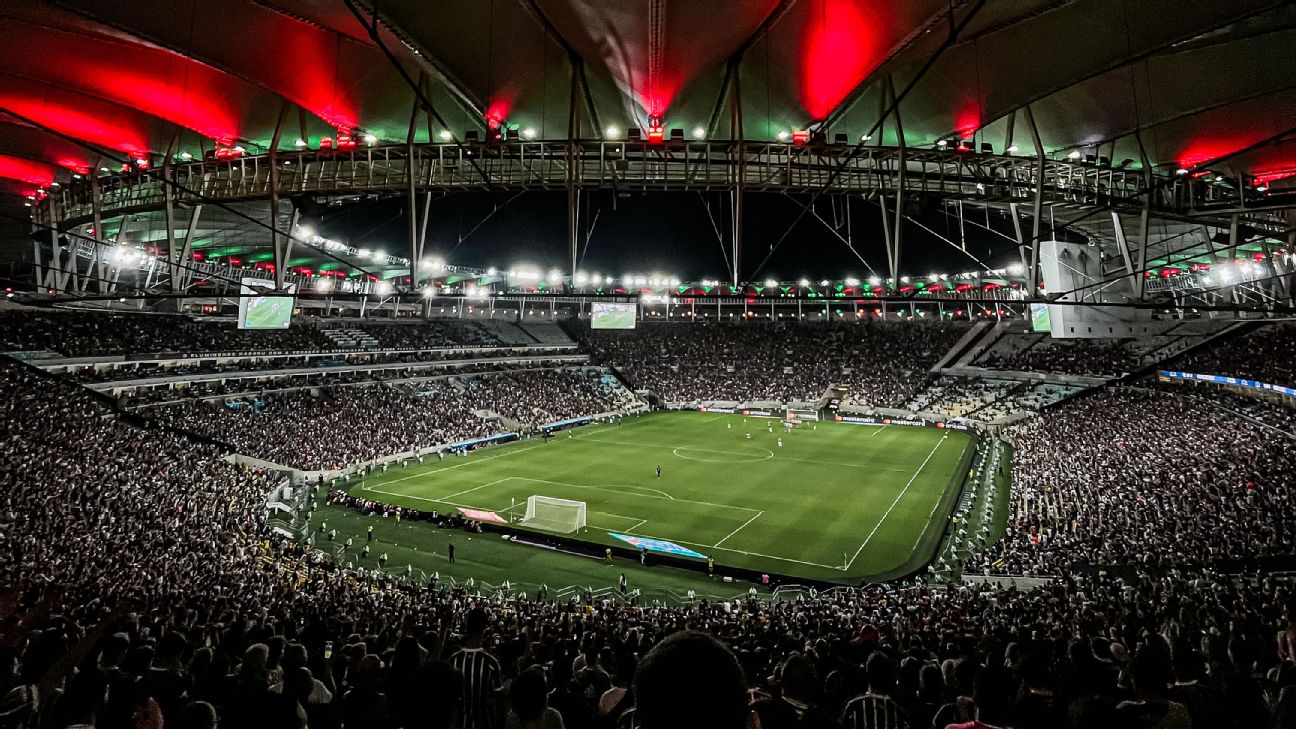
x=607 y=556
x=659 y=472
x=621 y=583
x=710 y=566
x=450 y=552
x=780 y=442
x=369 y=534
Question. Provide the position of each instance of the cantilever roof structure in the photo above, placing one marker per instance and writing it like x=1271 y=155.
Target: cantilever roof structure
x=1195 y=80
x=1162 y=85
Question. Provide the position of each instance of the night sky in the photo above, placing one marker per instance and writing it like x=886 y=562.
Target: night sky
x=669 y=234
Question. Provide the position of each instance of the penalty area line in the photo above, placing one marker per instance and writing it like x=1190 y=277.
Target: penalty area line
x=470 y=462
x=887 y=513
x=740 y=528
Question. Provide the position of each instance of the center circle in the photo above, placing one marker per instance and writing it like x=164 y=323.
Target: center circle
x=710 y=455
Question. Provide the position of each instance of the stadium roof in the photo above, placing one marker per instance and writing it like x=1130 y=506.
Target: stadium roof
x=1193 y=79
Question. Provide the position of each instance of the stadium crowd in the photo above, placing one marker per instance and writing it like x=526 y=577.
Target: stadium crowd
x=338 y=427
x=881 y=364
x=194 y=366
x=143 y=587
x=1263 y=354
x=78 y=334
x=1077 y=357
x=1147 y=478
x=145 y=591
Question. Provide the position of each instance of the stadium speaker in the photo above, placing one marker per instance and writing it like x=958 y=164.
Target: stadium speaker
x=839 y=139
x=634 y=134
x=677 y=135
x=472 y=136
x=987 y=148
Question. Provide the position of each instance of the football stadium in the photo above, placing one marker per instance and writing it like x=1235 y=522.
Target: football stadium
x=648 y=364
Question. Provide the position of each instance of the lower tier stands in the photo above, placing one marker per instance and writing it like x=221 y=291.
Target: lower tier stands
x=332 y=428
x=1144 y=478
x=144 y=590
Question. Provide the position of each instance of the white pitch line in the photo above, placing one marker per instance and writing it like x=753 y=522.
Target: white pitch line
x=899 y=496
x=664 y=495
x=470 y=462
x=730 y=534
x=475 y=488
x=879 y=430
x=636 y=526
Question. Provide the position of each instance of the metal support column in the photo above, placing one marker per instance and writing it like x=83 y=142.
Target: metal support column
x=186 y=251
x=173 y=261
x=573 y=191
x=1037 y=207
x=282 y=243
x=737 y=132
x=901 y=163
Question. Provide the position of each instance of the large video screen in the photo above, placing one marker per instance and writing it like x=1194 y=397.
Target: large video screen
x=1041 y=321
x=260 y=307
x=613 y=316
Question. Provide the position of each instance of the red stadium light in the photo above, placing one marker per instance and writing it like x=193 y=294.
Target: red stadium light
x=656 y=135
x=801 y=137
x=326 y=143
x=345 y=140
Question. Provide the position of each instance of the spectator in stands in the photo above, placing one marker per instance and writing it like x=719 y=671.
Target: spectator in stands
x=690 y=681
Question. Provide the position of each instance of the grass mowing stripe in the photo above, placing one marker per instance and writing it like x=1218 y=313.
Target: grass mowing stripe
x=869 y=466
x=899 y=496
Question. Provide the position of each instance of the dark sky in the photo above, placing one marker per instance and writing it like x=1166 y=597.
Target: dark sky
x=671 y=234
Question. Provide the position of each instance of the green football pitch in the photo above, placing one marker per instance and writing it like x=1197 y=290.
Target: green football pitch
x=835 y=502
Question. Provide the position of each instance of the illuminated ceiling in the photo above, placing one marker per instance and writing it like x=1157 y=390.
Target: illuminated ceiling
x=1175 y=82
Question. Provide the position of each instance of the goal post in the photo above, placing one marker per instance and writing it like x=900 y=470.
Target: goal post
x=554 y=515
x=802 y=414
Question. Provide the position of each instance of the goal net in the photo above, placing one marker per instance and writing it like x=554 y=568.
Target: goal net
x=802 y=414
x=554 y=515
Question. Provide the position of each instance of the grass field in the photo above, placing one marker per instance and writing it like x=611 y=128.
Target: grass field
x=840 y=503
